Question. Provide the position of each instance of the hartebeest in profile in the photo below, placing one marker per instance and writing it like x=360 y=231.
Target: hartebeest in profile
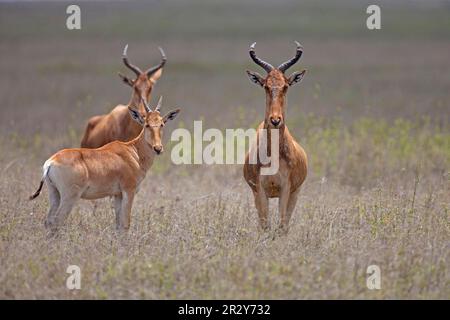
x=118 y=125
x=285 y=184
x=116 y=170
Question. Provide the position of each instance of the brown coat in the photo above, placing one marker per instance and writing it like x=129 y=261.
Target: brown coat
x=115 y=170
x=117 y=125
x=293 y=164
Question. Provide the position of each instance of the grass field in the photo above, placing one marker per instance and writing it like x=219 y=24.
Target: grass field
x=372 y=114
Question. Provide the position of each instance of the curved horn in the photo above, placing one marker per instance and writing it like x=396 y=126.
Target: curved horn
x=158 y=107
x=266 y=66
x=128 y=64
x=146 y=106
x=286 y=65
x=152 y=70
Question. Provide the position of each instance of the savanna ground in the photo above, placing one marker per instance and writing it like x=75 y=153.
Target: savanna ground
x=372 y=114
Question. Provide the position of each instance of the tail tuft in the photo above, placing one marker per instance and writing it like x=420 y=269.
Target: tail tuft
x=46 y=168
x=36 y=194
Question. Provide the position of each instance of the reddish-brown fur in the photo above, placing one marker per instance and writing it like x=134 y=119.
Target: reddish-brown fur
x=118 y=125
x=115 y=169
x=285 y=184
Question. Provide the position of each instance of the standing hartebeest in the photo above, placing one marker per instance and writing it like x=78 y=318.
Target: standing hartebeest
x=116 y=169
x=285 y=184
x=118 y=125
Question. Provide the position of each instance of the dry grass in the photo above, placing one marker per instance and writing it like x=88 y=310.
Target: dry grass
x=372 y=116
x=194 y=232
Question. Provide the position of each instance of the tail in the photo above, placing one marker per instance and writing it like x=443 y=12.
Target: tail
x=38 y=191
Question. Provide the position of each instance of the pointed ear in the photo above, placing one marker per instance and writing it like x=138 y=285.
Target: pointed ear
x=171 y=115
x=255 y=77
x=136 y=116
x=126 y=80
x=155 y=77
x=296 y=77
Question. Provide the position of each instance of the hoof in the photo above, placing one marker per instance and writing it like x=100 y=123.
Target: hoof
x=48 y=224
x=282 y=230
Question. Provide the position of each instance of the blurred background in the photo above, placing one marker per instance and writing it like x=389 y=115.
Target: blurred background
x=372 y=114
x=52 y=78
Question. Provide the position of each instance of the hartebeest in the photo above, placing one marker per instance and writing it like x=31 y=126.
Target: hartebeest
x=118 y=125
x=285 y=184
x=116 y=169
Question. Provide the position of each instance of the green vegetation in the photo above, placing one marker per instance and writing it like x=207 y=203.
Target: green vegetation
x=371 y=113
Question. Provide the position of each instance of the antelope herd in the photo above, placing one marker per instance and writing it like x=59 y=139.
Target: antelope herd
x=117 y=150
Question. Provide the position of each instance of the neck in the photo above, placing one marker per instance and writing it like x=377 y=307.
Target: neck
x=136 y=101
x=143 y=150
x=284 y=143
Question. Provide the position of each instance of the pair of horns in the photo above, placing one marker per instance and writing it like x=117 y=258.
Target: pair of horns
x=282 y=67
x=150 y=70
x=147 y=107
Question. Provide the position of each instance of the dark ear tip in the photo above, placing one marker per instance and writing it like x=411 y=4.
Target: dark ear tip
x=122 y=77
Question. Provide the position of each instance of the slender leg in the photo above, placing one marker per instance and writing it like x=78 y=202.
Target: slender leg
x=66 y=204
x=125 y=212
x=54 y=199
x=283 y=204
x=94 y=207
x=262 y=206
x=292 y=201
x=117 y=209
x=112 y=203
